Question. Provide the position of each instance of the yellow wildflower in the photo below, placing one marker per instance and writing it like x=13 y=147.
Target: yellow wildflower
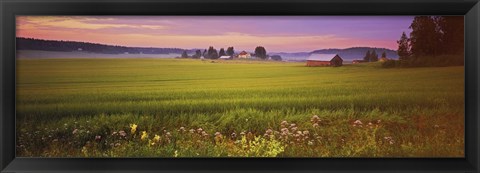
x=156 y=138
x=133 y=128
x=144 y=135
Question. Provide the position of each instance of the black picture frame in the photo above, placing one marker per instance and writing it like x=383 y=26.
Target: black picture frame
x=10 y=8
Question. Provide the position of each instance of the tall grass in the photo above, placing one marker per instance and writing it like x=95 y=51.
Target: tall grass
x=415 y=112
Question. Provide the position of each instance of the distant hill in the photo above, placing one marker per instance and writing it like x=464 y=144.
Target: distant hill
x=347 y=54
x=72 y=46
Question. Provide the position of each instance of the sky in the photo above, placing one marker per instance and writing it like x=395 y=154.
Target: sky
x=275 y=33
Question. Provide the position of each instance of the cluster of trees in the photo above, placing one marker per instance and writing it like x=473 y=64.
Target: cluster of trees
x=434 y=41
x=70 y=46
x=373 y=56
x=212 y=53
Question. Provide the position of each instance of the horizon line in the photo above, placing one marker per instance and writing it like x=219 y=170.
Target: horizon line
x=105 y=44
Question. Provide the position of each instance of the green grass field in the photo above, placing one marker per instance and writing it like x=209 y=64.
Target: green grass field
x=194 y=108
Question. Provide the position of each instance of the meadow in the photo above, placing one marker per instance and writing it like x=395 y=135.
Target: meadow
x=194 y=108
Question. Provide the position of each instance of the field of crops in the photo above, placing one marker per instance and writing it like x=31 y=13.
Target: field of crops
x=194 y=108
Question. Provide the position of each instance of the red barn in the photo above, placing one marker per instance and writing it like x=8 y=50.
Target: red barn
x=324 y=60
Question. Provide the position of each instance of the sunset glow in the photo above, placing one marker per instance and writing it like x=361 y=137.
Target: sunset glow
x=275 y=33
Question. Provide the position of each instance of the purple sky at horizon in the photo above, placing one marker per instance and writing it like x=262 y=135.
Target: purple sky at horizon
x=275 y=33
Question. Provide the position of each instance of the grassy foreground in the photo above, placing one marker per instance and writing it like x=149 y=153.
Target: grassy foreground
x=193 y=108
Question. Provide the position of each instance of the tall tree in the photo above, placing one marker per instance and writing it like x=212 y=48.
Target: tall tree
x=425 y=36
x=367 y=56
x=230 y=51
x=260 y=52
x=198 y=54
x=212 y=53
x=221 y=52
x=373 y=56
x=205 y=55
x=452 y=33
x=184 y=54
x=403 y=47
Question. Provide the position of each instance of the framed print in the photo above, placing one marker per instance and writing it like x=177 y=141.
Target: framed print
x=160 y=86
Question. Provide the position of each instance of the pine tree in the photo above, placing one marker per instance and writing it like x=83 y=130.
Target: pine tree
x=403 y=50
x=425 y=37
x=373 y=56
x=230 y=51
x=221 y=52
x=367 y=56
x=212 y=53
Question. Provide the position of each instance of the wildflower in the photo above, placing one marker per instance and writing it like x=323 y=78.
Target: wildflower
x=389 y=140
x=218 y=137
x=167 y=136
x=284 y=131
x=357 y=123
x=98 y=138
x=75 y=131
x=133 y=128
x=182 y=129
x=122 y=133
x=315 y=119
x=199 y=130
x=156 y=138
x=306 y=132
x=205 y=134
x=294 y=128
x=144 y=135
x=269 y=132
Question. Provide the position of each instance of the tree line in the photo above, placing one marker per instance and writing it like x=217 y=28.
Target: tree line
x=212 y=53
x=373 y=56
x=70 y=46
x=434 y=41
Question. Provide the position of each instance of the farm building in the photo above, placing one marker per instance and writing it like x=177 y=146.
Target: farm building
x=244 y=54
x=324 y=60
x=225 y=57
